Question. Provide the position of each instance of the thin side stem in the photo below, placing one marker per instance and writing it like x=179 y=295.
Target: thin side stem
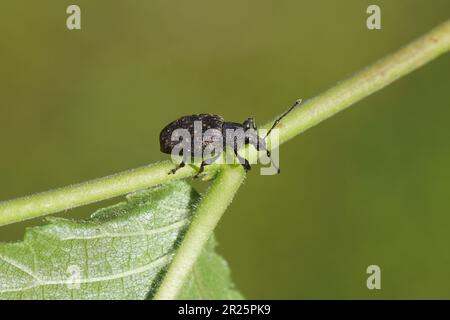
x=76 y=195
x=312 y=112
x=211 y=208
x=369 y=80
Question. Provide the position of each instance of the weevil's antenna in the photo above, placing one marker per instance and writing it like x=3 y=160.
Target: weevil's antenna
x=298 y=102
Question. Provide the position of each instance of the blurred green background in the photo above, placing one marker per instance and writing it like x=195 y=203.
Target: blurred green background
x=368 y=186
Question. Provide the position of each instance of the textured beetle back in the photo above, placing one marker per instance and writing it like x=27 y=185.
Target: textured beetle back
x=209 y=121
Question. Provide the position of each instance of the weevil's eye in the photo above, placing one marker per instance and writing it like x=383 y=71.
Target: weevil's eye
x=247 y=124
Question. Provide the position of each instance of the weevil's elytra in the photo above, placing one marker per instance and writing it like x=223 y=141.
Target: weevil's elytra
x=209 y=121
x=217 y=129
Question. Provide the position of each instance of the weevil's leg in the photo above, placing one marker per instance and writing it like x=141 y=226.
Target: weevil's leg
x=181 y=165
x=276 y=167
x=207 y=162
x=186 y=159
x=243 y=161
x=264 y=148
x=261 y=146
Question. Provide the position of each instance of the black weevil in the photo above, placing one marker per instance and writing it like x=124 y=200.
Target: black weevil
x=217 y=128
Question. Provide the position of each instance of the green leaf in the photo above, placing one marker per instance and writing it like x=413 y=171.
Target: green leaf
x=121 y=252
x=210 y=278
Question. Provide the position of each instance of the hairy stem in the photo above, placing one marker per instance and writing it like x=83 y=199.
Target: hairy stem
x=211 y=208
x=369 y=80
x=56 y=200
x=313 y=111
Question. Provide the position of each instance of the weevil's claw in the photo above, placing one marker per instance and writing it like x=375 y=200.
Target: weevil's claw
x=181 y=165
x=202 y=168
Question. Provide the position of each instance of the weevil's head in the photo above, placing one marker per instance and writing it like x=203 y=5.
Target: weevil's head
x=249 y=124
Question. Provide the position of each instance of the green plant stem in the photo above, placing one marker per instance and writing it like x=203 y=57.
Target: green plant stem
x=72 y=196
x=313 y=111
x=211 y=208
x=369 y=80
